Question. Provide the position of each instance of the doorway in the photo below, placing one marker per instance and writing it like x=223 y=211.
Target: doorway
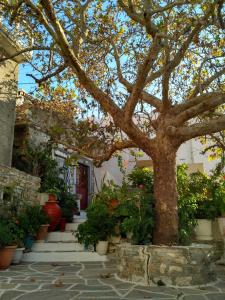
x=82 y=184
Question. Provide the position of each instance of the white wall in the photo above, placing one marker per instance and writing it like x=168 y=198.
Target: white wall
x=189 y=153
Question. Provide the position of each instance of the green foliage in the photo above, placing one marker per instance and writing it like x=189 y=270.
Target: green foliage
x=40 y=163
x=201 y=196
x=68 y=204
x=8 y=233
x=187 y=206
x=143 y=176
x=108 y=192
x=31 y=218
x=136 y=216
x=99 y=225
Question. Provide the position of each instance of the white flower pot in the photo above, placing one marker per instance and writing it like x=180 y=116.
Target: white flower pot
x=18 y=256
x=203 y=230
x=102 y=247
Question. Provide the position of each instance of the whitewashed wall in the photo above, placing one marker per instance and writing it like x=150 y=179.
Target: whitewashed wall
x=189 y=153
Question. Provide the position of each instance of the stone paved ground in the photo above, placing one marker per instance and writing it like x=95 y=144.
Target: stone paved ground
x=93 y=280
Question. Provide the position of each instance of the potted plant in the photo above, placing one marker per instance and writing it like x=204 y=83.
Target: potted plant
x=68 y=204
x=7 y=243
x=44 y=224
x=98 y=227
x=136 y=216
x=29 y=220
x=52 y=194
x=18 y=254
x=53 y=210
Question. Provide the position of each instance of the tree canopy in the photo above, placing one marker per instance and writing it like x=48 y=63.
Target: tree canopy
x=155 y=69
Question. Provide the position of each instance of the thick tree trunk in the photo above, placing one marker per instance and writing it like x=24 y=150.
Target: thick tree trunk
x=165 y=192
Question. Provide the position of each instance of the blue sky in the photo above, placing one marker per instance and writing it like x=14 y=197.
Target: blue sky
x=25 y=83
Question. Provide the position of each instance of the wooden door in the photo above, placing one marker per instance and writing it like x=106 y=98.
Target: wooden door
x=82 y=185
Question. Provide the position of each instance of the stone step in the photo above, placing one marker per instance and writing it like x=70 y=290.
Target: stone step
x=78 y=219
x=57 y=247
x=59 y=236
x=63 y=257
x=72 y=226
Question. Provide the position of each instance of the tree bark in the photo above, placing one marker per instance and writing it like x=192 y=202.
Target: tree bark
x=165 y=193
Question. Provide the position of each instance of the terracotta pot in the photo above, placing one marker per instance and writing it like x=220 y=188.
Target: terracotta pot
x=114 y=203
x=6 y=256
x=63 y=224
x=42 y=233
x=54 y=212
x=52 y=198
x=17 y=257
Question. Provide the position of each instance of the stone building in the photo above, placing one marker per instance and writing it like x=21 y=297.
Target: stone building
x=8 y=94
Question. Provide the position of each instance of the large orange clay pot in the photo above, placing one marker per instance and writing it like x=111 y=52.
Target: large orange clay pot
x=54 y=212
x=42 y=233
x=6 y=256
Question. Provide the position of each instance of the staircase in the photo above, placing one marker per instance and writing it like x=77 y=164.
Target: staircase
x=62 y=247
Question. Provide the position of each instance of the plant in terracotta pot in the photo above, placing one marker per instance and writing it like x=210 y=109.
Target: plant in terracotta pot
x=142 y=178
x=98 y=227
x=44 y=224
x=109 y=195
x=29 y=220
x=7 y=243
x=68 y=204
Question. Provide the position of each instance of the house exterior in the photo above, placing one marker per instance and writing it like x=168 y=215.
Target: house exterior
x=8 y=94
x=82 y=177
x=79 y=174
x=188 y=153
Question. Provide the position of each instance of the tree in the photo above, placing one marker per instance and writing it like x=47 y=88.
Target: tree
x=152 y=66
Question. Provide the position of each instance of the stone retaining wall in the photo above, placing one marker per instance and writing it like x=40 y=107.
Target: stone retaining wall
x=164 y=265
x=22 y=181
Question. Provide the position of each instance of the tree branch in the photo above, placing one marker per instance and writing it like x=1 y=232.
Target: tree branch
x=199 y=129
x=56 y=72
x=202 y=86
x=33 y=48
x=205 y=103
x=142 y=74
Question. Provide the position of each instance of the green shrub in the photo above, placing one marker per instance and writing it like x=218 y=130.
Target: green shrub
x=143 y=176
x=99 y=225
x=31 y=219
x=8 y=233
x=136 y=216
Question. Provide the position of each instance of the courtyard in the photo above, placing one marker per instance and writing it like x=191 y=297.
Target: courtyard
x=92 y=280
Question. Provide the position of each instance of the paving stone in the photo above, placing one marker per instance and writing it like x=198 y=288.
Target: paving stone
x=9 y=295
x=82 y=287
x=99 y=294
x=216 y=296
x=194 y=297
x=27 y=287
x=73 y=280
x=69 y=269
x=159 y=289
x=122 y=285
x=7 y=286
x=57 y=285
x=136 y=294
x=188 y=291
x=93 y=282
x=50 y=295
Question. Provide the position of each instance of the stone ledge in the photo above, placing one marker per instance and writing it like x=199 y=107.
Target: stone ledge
x=164 y=265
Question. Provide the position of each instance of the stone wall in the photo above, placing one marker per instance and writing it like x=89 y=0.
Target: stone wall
x=24 y=182
x=164 y=265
